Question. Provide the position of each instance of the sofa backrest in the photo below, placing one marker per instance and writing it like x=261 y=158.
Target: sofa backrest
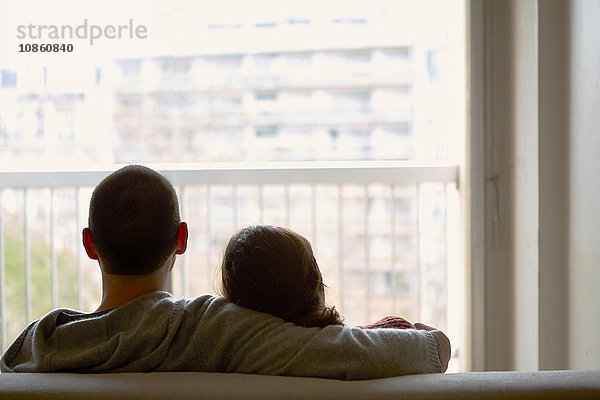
x=199 y=385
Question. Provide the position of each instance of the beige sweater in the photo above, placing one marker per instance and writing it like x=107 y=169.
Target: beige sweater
x=158 y=333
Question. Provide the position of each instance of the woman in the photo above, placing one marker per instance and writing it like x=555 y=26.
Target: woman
x=273 y=270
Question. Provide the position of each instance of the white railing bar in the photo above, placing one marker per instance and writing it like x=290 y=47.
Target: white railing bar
x=313 y=215
x=367 y=254
x=342 y=173
x=35 y=179
x=446 y=256
x=236 y=210
x=261 y=204
x=299 y=173
x=208 y=233
x=340 y=207
x=287 y=207
x=393 y=254
x=27 y=256
x=185 y=273
x=418 y=250
x=3 y=323
x=53 y=260
x=78 y=246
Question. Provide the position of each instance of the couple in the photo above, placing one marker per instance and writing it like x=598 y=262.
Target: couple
x=135 y=233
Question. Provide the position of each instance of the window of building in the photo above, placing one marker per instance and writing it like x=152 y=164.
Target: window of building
x=8 y=79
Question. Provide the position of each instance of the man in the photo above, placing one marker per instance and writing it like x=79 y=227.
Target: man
x=135 y=233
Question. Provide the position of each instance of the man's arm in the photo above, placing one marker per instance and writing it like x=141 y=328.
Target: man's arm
x=233 y=339
x=443 y=342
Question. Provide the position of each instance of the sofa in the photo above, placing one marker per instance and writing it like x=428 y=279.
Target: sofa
x=582 y=384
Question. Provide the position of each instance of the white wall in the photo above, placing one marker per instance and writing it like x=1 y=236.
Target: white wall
x=584 y=186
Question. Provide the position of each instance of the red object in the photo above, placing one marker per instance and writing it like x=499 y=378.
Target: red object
x=389 y=322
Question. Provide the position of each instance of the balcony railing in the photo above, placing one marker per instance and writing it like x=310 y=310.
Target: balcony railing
x=381 y=234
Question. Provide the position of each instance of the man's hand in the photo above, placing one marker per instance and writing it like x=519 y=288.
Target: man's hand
x=443 y=340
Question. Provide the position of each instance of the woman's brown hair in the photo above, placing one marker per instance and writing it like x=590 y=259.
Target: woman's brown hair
x=273 y=270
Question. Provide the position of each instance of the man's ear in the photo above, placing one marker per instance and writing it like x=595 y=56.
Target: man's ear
x=182 y=237
x=88 y=244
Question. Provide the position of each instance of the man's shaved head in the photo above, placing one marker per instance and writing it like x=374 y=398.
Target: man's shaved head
x=133 y=220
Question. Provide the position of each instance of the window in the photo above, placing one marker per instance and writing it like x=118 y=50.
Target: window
x=8 y=79
x=344 y=114
x=130 y=68
x=266 y=131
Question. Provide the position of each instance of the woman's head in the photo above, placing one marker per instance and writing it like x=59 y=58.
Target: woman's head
x=273 y=270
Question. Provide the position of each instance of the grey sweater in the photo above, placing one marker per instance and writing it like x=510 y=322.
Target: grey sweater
x=158 y=333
